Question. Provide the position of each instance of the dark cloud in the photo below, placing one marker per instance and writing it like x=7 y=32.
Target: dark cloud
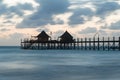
x=45 y=13
x=106 y=8
x=88 y=30
x=115 y=26
x=103 y=8
x=16 y=9
x=54 y=6
x=77 y=18
x=3 y=8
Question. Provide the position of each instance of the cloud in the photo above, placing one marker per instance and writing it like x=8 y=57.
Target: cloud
x=88 y=30
x=3 y=9
x=47 y=9
x=106 y=8
x=115 y=26
x=59 y=21
x=115 y=34
x=102 y=33
x=41 y=29
x=8 y=21
x=18 y=9
x=77 y=17
x=44 y=14
x=58 y=33
x=4 y=29
x=102 y=10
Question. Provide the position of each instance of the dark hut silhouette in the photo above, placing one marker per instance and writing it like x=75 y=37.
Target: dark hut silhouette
x=66 y=37
x=66 y=41
x=43 y=37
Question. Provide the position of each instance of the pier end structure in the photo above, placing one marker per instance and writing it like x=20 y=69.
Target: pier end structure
x=66 y=41
x=44 y=41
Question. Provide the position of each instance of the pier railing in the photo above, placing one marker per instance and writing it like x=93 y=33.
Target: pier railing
x=104 y=43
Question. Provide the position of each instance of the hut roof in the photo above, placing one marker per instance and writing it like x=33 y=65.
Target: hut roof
x=66 y=35
x=43 y=34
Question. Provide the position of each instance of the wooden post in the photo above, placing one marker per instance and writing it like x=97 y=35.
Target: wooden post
x=70 y=46
x=24 y=43
x=108 y=43
x=77 y=43
x=98 y=44
x=113 y=43
x=119 y=43
x=94 y=43
x=58 y=45
x=81 y=44
x=40 y=45
x=47 y=46
x=85 y=43
x=54 y=46
x=89 y=43
x=103 y=44
x=74 y=44
x=21 y=44
x=64 y=45
x=50 y=45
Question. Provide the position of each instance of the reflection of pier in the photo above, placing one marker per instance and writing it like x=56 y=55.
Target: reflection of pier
x=66 y=41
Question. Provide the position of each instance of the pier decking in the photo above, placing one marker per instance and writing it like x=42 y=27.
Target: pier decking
x=65 y=42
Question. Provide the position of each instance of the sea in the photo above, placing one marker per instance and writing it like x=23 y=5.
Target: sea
x=20 y=64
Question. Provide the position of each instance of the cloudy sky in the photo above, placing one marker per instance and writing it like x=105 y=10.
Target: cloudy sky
x=82 y=18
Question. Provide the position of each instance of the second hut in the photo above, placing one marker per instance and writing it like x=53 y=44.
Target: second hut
x=66 y=37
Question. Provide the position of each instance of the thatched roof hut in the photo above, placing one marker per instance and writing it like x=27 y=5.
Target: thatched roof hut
x=66 y=37
x=43 y=36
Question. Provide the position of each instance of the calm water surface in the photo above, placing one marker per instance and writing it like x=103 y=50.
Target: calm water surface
x=17 y=64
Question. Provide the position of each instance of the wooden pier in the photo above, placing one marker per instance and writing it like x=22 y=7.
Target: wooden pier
x=66 y=41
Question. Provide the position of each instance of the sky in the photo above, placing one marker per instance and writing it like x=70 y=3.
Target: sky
x=21 y=19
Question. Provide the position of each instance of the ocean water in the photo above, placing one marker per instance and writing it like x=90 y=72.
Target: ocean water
x=18 y=64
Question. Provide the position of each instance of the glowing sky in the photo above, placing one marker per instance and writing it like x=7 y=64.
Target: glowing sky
x=82 y=18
